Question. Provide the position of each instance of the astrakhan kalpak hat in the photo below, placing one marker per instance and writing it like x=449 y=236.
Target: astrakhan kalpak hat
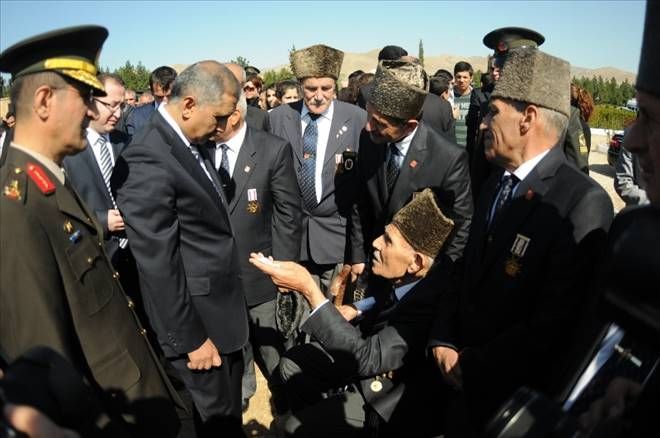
x=317 y=61
x=422 y=224
x=72 y=52
x=532 y=76
x=649 y=62
x=400 y=88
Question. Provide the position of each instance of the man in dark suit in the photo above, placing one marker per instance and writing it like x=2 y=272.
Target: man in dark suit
x=178 y=225
x=539 y=229
x=255 y=116
x=57 y=286
x=160 y=84
x=322 y=131
x=382 y=361
x=90 y=170
x=400 y=155
x=256 y=169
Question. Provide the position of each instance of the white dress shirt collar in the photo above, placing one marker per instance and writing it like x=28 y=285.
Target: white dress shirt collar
x=170 y=121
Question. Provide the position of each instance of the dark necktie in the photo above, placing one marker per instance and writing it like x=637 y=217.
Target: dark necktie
x=392 y=167
x=106 y=171
x=308 y=170
x=225 y=173
x=507 y=185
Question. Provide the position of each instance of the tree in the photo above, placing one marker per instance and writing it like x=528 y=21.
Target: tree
x=243 y=62
x=134 y=77
x=420 y=53
x=272 y=77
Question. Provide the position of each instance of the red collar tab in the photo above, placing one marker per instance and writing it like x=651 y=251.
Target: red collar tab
x=40 y=178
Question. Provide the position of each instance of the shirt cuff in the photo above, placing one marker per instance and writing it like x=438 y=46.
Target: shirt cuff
x=365 y=304
x=318 y=307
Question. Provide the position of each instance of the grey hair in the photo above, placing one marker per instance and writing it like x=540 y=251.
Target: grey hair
x=205 y=81
x=555 y=122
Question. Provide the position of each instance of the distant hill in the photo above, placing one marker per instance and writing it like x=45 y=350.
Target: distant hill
x=367 y=62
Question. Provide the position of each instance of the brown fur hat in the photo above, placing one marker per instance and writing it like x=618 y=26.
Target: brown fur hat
x=649 y=62
x=400 y=88
x=532 y=76
x=422 y=224
x=316 y=61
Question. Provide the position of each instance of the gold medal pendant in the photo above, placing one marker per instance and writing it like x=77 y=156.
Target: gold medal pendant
x=512 y=266
x=252 y=207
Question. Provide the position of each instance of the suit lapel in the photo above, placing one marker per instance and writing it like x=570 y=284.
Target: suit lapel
x=293 y=129
x=246 y=159
x=90 y=161
x=334 y=145
x=412 y=163
x=185 y=157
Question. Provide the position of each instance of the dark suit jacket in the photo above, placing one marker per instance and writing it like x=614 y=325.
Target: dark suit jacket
x=57 y=289
x=436 y=112
x=324 y=228
x=265 y=163
x=393 y=339
x=181 y=238
x=431 y=161
x=86 y=178
x=513 y=312
x=137 y=118
x=257 y=118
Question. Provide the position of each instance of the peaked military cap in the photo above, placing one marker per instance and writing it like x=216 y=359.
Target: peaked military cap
x=72 y=52
x=400 y=88
x=250 y=70
x=506 y=38
x=422 y=223
x=532 y=76
x=649 y=62
x=317 y=61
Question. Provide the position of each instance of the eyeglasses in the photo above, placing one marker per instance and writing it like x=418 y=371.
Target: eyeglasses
x=111 y=108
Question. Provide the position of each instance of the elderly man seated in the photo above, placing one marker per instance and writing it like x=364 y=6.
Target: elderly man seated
x=374 y=374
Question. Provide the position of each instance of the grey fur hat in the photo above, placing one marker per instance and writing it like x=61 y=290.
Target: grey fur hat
x=649 y=62
x=422 y=223
x=532 y=76
x=400 y=88
x=316 y=61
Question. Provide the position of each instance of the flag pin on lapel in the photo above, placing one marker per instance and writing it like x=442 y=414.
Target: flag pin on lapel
x=413 y=163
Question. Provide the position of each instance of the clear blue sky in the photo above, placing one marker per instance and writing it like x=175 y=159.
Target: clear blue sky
x=588 y=34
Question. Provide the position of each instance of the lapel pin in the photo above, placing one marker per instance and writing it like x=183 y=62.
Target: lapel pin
x=75 y=237
x=529 y=195
x=253 y=204
x=413 y=163
x=247 y=169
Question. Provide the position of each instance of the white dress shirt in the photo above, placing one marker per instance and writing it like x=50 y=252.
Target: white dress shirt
x=92 y=138
x=323 y=125
x=233 y=148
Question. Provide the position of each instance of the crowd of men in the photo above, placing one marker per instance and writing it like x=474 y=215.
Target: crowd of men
x=391 y=261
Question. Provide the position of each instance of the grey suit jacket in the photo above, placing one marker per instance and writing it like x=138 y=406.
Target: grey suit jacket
x=85 y=176
x=324 y=227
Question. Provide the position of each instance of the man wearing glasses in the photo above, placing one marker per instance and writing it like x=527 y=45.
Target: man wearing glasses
x=91 y=169
x=178 y=225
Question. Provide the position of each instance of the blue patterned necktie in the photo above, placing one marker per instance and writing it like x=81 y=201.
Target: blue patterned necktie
x=507 y=185
x=225 y=173
x=106 y=171
x=393 y=168
x=308 y=170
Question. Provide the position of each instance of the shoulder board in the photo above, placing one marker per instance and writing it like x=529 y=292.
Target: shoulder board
x=14 y=187
x=40 y=178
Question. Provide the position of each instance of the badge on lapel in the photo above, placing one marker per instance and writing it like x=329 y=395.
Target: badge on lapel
x=512 y=266
x=345 y=162
x=253 y=203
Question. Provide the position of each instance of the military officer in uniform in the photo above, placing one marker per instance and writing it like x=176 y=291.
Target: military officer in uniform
x=57 y=285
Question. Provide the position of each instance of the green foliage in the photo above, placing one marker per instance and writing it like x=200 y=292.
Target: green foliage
x=134 y=77
x=476 y=79
x=607 y=91
x=611 y=117
x=271 y=77
x=243 y=62
x=420 y=53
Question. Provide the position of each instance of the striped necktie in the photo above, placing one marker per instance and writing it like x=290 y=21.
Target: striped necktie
x=308 y=169
x=106 y=171
x=392 y=167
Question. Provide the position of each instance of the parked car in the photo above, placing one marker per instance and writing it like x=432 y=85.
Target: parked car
x=615 y=147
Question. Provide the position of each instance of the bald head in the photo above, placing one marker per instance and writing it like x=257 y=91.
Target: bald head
x=237 y=70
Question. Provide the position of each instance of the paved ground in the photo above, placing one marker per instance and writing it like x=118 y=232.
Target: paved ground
x=258 y=418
